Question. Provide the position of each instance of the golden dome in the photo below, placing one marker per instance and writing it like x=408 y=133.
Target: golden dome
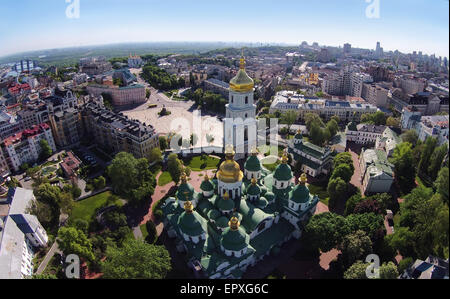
x=188 y=207
x=303 y=179
x=229 y=170
x=234 y=223
x=242 y=82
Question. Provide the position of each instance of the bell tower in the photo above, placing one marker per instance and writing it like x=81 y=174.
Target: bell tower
x=240 y=123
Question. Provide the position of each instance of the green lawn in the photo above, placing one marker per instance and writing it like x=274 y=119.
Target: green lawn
x=164 y=178
x=321 y=192
x=86 y=208
x=271 y=167
x=197 y=164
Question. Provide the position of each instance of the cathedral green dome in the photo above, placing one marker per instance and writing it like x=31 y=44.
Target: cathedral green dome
x=300 y=194
x=234 y=238
x=190 y=222
x=185 y=190
x=225 y=203
x=252 y=164
x=253 y=189
x=222 y=222
x=207 y=185
x=283 y=171
x=298 y=135
x=213 y=214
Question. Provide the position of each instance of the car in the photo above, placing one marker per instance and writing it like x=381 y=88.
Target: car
x=27 y=179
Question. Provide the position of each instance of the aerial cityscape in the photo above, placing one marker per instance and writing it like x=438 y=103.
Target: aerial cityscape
x=213 y=142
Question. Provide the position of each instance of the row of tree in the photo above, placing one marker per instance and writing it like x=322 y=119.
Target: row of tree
x=161 y=79
x=214 y=102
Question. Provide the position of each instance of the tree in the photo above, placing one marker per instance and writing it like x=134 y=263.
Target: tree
x=388 y=271
x=48 y=194
x=370 y=223
x=81 y=225
x=393 y=122
x=42 y=211
x=342 y=171
x=344 y=158
x=355 y=246
x=136 y=260
x=423 y=224
x=333 y=127
x=24 y=167
x=289 y=118
x=356 y=271
x=404 y=264
x=405 y=172
x=66 y=203
x=337 y=189
x=174 y=167
x=368 y=206
x=163 y=143
x=155 y=156
x=325 y=231
x=351 y=203
x=99 y=183
x=73 y=241
x=425 y=158
x=436 y=160
x=441 y=184
x=123 y=166
x=132 y=177
x=411 y=137
x=386 y=202
x=46 y=150
x=316 y=135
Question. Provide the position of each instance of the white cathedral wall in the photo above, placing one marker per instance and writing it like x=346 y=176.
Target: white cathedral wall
x=252 y=174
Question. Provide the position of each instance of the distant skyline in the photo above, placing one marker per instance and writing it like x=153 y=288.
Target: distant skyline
x=407 y=26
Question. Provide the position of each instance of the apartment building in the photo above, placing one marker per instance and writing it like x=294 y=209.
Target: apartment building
x=346 y=111
x=375 y=94
x=20 y=235
x=66 y=127
x=9 y=124
x=24 y=147
x=411 y=85
x=121 y=96
x=118 y=133
x=363 y=133
x=95 y=65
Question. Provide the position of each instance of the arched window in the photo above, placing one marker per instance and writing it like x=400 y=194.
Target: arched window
x=246 y=100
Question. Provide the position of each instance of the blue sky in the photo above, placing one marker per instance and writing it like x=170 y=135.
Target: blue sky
x=406 y=25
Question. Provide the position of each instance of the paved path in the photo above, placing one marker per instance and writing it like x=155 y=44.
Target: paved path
x=356 y=178
x=137 y=233
x=54 y=249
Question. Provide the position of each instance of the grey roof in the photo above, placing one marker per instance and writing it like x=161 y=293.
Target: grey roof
x=15 y=226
